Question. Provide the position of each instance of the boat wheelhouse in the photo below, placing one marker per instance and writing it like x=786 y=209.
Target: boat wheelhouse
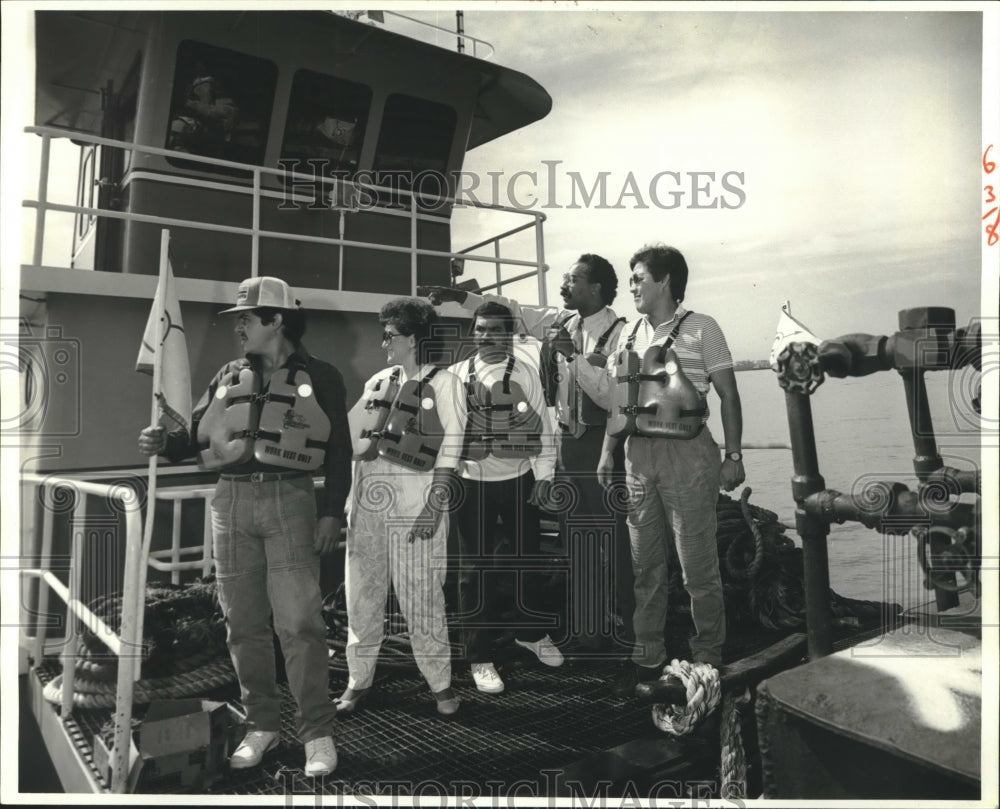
x=313 y=146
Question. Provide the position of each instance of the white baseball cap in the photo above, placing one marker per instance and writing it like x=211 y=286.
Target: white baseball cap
x=264 y=290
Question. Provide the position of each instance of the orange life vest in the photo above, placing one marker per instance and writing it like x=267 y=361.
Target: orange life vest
x=226 y=428
x=576 y=409
x=367 y=432
x=652 y=397
x=283 y=427
x=501 y=422
x=293 y=429
x=413 y=434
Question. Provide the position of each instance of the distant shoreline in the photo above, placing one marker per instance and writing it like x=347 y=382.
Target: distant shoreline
x=750 y=365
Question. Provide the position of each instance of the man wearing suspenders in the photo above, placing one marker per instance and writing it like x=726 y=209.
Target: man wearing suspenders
x=577 y=339
x=674 y=481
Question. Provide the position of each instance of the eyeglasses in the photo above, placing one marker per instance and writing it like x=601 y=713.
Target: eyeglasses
x=388 y=335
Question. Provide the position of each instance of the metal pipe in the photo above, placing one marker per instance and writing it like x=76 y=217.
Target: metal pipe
x=540 y=257
x=68 y=656
x=813 y=530
x=175 y=541
x=255 y=237
x=43 y=196
x=926 y=458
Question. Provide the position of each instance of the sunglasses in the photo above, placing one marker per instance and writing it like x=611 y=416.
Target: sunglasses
x=387 y=336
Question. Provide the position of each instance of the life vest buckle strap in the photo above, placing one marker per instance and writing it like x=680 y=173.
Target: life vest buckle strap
x=636 y=410
x=264 y=398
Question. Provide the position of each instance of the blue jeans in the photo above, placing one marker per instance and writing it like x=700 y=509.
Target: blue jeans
x=673 y=492
x=266 y=565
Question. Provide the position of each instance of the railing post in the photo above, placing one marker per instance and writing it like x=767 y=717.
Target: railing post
x=413 y=243
x=255 y=237
x=68 y=656
x=496 y=265
x=540 y=258
x=175 y=541
x=44 y=560
x=43 y=197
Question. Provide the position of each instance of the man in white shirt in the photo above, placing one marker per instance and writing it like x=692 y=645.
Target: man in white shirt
x=583 y=333
x=674 y=482
x=510 y=459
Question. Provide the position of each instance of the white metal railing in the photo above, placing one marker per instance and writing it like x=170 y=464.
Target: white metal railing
x=127 y=642
x=459 y=35
x=171 y=559
x=335 y=187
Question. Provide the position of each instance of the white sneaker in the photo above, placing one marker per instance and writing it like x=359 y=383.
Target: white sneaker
x=321 y=756
x=252 y=748
x=486 y=678
x=545 y=650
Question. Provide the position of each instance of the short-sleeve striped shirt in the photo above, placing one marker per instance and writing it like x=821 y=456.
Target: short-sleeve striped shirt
x=701 y=346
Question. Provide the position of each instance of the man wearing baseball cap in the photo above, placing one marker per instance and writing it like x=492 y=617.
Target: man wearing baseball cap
x=267 y=422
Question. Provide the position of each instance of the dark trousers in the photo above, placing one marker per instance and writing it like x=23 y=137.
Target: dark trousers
x=594 y=529
x=481 y=569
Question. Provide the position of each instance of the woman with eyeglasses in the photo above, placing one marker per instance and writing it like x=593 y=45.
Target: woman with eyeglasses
x=407 y=438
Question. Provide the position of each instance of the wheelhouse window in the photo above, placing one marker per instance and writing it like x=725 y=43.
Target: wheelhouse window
x=325 y=125
x=220 y=105
x=413 y=146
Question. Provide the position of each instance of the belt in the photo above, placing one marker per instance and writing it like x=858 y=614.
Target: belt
x=264 y=477
x=566 y=428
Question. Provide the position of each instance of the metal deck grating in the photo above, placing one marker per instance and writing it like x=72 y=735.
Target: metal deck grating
x=546 y=719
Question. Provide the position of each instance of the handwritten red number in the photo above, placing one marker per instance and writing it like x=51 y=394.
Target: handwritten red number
x=992 y=237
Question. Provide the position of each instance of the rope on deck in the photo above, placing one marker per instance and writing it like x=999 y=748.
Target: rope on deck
x=733 y=766
x=215 y=674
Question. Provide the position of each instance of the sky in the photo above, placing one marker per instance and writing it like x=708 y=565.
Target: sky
x=854 y=137
x=842 y=151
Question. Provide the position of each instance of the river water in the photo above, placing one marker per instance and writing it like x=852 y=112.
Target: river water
x=862 y=434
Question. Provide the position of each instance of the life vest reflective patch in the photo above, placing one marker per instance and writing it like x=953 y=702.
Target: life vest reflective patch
x=413 y=434
x=225 y=432
x=501 y=421
x=368 y=422
x=293 y=429
x=517 y=427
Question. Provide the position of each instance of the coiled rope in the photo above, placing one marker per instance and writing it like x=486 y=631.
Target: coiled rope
x=703 y=689
x=701 y=685
x=212 y=675
x=183 y=653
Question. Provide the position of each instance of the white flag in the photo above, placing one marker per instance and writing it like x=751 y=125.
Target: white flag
x=174 y=394
x=789 y=331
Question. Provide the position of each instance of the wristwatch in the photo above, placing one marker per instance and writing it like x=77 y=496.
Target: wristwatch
x=736 y=455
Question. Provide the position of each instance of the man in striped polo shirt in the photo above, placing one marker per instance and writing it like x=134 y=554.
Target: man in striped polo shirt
x=674 y=483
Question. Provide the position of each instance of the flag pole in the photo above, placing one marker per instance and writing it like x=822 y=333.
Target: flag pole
x=136 y=564
x=154 y=415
